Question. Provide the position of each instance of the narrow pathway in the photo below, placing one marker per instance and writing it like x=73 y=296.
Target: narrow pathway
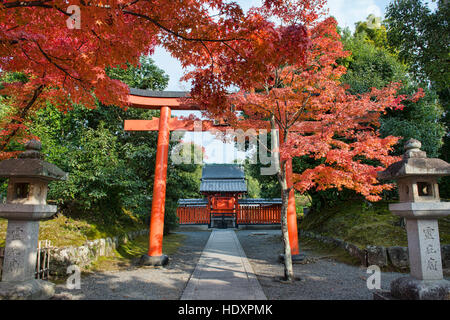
x=223 y=272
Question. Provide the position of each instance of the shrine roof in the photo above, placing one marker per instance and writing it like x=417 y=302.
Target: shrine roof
x=259 y=201
x=223 y=185
x=193 y=202
x=204 y=202
x=223 y=171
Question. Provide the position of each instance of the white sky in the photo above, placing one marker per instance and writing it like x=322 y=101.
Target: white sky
x=347 y=13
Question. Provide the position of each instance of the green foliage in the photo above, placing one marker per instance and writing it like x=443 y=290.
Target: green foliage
x=254 y=188
x=107 y=166
x=374 y=31
x=145 y=76
x=369 y=66
x=422 y=38
x=4 y=108
x=10 y=77
x=261 y=186
x=420 y=121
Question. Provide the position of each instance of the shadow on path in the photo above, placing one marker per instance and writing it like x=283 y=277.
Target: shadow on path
x=142 y=283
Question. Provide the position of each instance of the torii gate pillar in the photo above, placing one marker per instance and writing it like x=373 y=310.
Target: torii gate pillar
x=155 y=256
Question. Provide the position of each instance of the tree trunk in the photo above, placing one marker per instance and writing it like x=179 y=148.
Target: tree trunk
x=288 y=268
x=281 y=174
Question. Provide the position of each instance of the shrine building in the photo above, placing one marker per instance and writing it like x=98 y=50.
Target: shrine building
x=224 y=205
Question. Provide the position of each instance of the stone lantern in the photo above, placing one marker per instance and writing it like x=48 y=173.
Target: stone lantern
x=417 y=179
x=26 y=205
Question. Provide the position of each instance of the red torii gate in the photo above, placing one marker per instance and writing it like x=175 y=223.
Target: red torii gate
x=166 y=101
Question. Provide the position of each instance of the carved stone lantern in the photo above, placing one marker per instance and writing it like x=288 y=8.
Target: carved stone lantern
x=26 y=205
x=417 y=179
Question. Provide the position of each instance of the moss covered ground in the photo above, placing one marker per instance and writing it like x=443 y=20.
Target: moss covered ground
x=74 y=231
x=363 y=223
x=127 y=254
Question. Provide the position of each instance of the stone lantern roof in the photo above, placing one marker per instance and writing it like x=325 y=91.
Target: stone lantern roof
x=415 y=163
x=31 y=165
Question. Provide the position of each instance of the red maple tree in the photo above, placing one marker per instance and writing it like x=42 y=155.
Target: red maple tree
x=297 y=90
x=66 y=66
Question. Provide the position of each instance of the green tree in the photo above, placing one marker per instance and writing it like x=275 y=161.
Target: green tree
x=254 y=188
x=144 y=76
x=374 y=31
x=422 y=39
x=371 y=66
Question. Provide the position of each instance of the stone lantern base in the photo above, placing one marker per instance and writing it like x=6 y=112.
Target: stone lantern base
x=27 y=290
x=409 y=288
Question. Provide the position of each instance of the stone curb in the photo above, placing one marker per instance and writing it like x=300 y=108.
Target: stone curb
x=376 y=255
x=82 y=256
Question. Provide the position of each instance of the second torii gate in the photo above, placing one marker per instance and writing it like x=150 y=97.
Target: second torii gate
x=166 y=101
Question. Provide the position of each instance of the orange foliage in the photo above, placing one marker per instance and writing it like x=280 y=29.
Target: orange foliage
x=295 y=78
x=67 y=66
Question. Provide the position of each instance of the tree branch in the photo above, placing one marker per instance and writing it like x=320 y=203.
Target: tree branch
x=178 y=35
x=37 y=92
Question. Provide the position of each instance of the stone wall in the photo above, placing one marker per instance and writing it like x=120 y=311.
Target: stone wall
x=376 y=255
x=84 y=255
x=2 y=254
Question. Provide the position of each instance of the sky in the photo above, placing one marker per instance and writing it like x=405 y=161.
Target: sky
x=346 y=12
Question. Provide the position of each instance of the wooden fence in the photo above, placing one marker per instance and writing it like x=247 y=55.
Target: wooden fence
x=245 y=215
x=259 y=215
x=193 y=215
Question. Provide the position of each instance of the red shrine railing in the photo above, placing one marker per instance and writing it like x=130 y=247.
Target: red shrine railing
x=259 y=215
x=193 y=215
x=246 y=215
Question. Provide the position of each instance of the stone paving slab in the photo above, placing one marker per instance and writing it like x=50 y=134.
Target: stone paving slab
x=223 y=272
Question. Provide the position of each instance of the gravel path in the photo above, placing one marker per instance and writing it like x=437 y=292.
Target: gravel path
x=324 y=279
x=144 y=283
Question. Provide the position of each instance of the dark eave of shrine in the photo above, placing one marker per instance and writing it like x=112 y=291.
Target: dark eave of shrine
x=244 y=202
x=193 y=202
x=223 y=185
